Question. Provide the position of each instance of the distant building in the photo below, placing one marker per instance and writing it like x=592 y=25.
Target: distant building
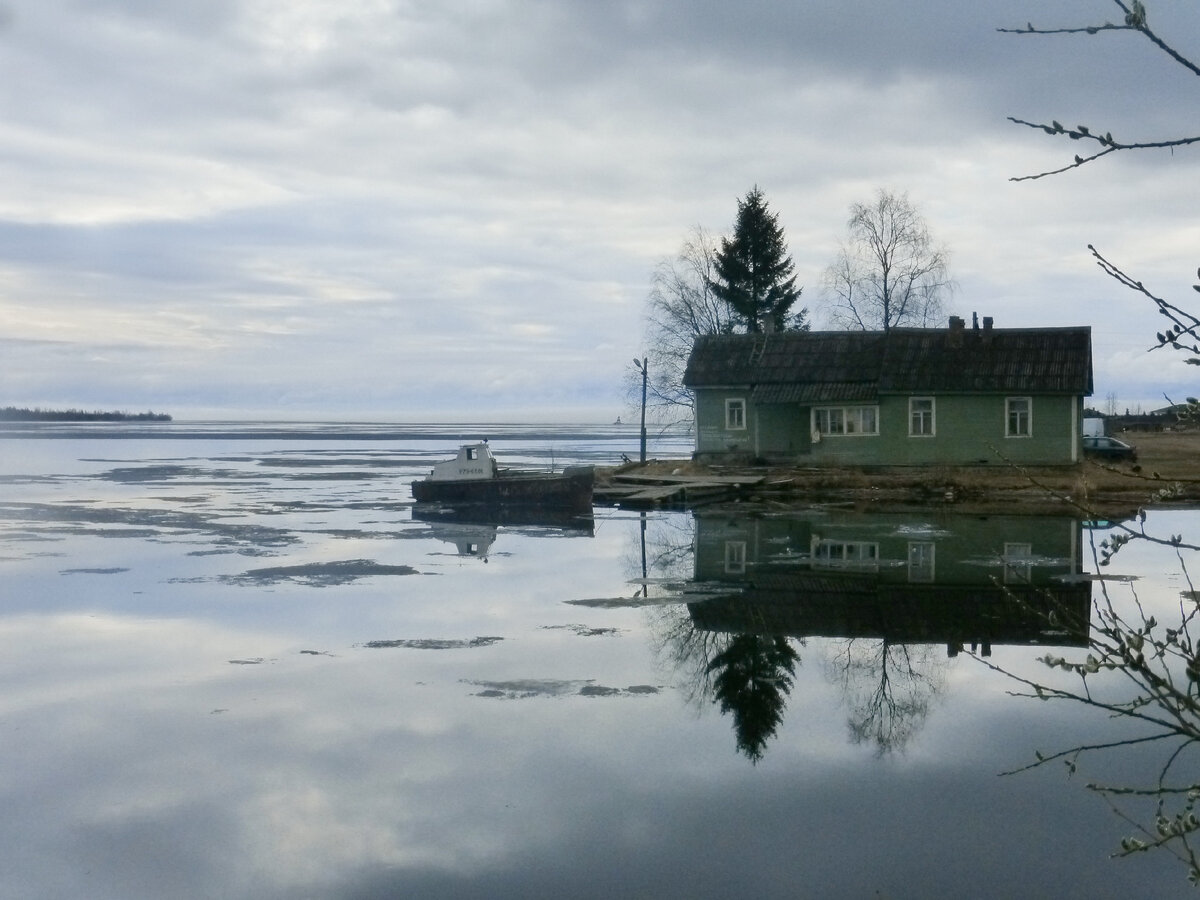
x=904 y=397
x=1166 y=419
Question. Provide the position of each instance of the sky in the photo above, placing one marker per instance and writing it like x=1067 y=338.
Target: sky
x=420 y=210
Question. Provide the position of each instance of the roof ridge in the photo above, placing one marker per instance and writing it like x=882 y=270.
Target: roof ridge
x=1039 y=360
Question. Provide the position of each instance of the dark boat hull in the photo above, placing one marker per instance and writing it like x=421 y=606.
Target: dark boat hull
x=570 y=490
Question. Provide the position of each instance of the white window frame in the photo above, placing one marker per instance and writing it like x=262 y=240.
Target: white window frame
x=932 y=432
x=735 y=557
x=849 y=420
x=735 y=421
x=1018 y=563
x=858 y=556
x=1008 y=414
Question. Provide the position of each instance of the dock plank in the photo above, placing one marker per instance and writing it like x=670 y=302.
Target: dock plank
x=689 y=480
x=655 y=494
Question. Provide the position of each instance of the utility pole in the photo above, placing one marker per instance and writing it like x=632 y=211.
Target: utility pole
x=642 y=364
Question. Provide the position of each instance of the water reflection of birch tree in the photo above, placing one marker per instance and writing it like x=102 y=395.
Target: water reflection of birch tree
x=662 y=550
x=888 y=688
x=666 y=555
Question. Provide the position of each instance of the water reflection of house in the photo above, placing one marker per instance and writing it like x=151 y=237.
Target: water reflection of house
x=901 y=578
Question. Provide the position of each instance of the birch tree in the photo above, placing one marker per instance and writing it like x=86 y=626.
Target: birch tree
x=681 y=306
x=889 y=272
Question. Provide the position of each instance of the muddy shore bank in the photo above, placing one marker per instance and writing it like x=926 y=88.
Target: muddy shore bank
x=1166 y=473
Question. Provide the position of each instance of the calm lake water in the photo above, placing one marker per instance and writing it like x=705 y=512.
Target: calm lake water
x=239 y=663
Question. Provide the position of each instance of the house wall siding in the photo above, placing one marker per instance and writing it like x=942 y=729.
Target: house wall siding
x=968 y=429
x=971 y=429
x=771 y=430
x=783 y=429
x=711 y=434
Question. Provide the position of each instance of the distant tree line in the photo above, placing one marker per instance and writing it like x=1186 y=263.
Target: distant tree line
x=15 y=414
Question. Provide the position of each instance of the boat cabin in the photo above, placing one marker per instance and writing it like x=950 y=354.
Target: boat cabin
x=473 y=463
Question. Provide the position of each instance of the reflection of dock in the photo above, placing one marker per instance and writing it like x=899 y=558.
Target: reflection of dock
x=804 y=604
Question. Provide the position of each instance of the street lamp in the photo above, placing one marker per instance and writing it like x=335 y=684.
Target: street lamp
x=642 y=364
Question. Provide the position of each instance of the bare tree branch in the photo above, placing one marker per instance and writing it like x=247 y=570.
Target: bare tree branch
x=1182 y=322
x=1134 y=20
x=1158 y=662
x=681 y=305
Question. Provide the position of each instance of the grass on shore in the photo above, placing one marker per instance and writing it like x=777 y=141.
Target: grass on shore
x=1167 y=472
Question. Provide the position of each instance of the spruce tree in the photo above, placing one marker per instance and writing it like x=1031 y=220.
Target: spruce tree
x=754 y=270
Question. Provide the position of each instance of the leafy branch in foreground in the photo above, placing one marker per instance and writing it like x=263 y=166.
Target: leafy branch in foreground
x=1135 y=20
x=1122 y=532
x=1106 y=141
x=1182 y=334
x=1146 y=673
x=1184 y=331
x=1154 y=666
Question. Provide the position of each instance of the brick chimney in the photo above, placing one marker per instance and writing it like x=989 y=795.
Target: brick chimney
x=956 y=331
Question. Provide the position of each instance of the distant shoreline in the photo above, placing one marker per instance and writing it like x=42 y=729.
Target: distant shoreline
x=15 y=414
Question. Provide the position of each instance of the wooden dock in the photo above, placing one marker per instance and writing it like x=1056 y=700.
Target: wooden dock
x=638 y=489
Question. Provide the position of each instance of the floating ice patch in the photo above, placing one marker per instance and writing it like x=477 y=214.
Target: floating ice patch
x=526 y=688
x=586 y=631
x=918 y=529
x=326 y=574
x=635 y=602
x=150 y=524
x=434 y=643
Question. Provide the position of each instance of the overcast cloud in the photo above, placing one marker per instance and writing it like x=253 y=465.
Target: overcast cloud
x=410 y=210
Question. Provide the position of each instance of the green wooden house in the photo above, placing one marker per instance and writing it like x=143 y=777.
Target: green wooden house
x=911 y=396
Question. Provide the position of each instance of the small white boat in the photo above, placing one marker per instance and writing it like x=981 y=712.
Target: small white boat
x=474 y=477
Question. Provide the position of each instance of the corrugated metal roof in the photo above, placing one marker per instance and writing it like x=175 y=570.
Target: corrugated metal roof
x=828 y=365
x=839 y=391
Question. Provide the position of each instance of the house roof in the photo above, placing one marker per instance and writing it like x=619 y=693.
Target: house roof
x=812 y=366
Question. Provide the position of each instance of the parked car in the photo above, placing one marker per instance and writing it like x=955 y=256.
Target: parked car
x=1108 y=448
